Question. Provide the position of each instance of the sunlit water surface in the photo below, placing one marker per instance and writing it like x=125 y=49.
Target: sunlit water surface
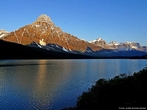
x=55 y=84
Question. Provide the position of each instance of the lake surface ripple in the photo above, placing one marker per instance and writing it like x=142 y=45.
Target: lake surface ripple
x=55 y=84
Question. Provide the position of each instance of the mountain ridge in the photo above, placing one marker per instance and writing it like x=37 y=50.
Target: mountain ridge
x=43 y=33
x=119 y=46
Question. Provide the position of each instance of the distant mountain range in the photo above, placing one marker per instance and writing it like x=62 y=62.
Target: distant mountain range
x=124 y=46
x=43 y=34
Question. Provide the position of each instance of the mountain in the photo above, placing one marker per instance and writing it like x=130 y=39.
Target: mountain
x=119 y=50
x=101 y=43
x=11 y=50
x=43 y=32
x=44 y=36
x=123 y=46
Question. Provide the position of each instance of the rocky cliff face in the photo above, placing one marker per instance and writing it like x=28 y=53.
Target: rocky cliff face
x=44 y=31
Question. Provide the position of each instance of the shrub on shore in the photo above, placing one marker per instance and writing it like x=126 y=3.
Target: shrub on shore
x=120 y=91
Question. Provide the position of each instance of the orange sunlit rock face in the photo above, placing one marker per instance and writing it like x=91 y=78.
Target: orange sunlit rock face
x=44 y=31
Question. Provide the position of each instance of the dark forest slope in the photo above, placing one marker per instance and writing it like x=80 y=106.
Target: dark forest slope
x=9 y=50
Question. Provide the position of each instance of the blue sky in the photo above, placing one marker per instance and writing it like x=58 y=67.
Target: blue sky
x=118 y=20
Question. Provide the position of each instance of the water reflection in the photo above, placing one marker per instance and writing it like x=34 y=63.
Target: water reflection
x=40 y=92
x=55 y=84
x=41 y=74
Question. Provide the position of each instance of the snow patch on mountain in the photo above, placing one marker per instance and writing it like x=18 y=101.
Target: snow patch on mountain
x=41 y=42
x=113 y=43
x=3 y=33
x=97 y=40
x=65 y=49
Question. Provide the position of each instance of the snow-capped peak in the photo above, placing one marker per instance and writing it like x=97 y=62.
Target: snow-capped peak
x=113 y=43
x=99 y=39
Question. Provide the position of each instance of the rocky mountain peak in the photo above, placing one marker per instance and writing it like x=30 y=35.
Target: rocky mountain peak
x=113 y=43
x=44 y=23
x=100 y=42
x=44 y=32
x=99 y=39
x=44 y=18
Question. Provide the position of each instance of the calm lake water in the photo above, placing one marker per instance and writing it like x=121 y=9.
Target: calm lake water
x=55 y=84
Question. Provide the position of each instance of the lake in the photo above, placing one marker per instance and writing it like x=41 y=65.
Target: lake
x=55 y=84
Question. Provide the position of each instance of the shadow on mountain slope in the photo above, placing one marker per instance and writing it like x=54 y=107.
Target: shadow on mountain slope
x=11 y=50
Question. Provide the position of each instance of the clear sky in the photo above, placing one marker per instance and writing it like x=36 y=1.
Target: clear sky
x=118 y=20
